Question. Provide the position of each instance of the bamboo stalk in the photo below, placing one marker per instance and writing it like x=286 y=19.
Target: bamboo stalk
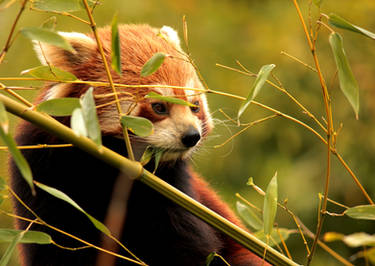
x=134 y=170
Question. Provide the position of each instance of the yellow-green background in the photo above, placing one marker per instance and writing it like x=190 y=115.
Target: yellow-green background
x=255 y=32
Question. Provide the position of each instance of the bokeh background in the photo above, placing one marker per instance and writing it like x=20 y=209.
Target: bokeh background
x=255 y=32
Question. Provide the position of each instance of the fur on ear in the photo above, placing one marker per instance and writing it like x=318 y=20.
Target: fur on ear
x=83 y=45
x=171 y=35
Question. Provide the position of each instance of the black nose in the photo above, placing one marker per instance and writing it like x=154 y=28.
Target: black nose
x=191 y=137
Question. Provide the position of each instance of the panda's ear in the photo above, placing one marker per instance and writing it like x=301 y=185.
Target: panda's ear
x=171 y=35
x=84 y=49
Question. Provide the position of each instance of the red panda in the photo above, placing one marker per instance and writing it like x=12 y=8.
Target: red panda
x=157 y=230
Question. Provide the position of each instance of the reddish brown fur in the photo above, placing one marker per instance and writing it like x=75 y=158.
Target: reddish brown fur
x=235 y=253
x=138 y=44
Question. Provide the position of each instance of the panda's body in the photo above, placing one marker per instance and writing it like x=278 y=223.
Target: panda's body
x=157 y=230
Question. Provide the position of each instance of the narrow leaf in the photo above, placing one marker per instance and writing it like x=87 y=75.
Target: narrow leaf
x=116 y=49
x=210 y=258
x=59 y=106
x=158 y=154
x=364 y=212
x=275 y=238
x=138 y=125
x=262 y=76
x=359 y=239
x=270 y=205
x=61 y=195
x=342 y=23
x=9 y=251
x=90 y=117
x=18 y=158
x=154 y=95
x=348 y=83
x=50 y=23
x=249 y=216
x=317 y=2
x=185 y=29
x=147 y=155
x=46 y=36
x=332 y=236
x=29 y=237
x=49 y=73
x=152 y=64
x=4 y=121
x=77 y=123
x=59 y=5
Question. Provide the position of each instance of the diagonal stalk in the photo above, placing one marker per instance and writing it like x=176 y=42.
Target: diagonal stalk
x=134 y=170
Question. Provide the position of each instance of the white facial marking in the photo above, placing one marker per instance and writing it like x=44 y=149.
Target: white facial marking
x=57 y=91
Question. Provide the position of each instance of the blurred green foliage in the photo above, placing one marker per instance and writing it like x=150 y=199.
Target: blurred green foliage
x=255 y=32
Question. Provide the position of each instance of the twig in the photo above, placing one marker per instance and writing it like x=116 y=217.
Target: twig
x=298 y=60
x=9 y=40
x=109 y=76
x=61 y=13
x=246 y=128
x=39 y=146
x=328 y=110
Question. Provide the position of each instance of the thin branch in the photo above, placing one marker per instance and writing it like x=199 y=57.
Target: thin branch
x=328 y=110
x=9 y=40
x=61 y=13
x=246 y=128
x=109 y=76
x=298 y=60
x=39 y=146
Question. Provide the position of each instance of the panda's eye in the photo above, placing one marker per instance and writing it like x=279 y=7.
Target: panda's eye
x=196 y=108
x=160 y=108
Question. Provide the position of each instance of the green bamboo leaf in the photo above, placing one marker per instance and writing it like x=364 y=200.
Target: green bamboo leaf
x=59 y=5
x=77 y=123
x=275 y=237
x=348 y=83
x=4 y=121
x=147 y=155
x=364 y=212
x=332 y=236
x=49 y=73
x=46 y=36
x=153 y=64
x=9 y=251
x=342 y=23
x=262 y=76
x=90 y=117
x=156 y=96
x=359 y=239
x=158 y=153
x=29 y=237
x=116 y=48
x=249 y=216
x=210 y=258
x=270 y=205
x=50 y=23
x=138 y=125
x=62 y=196
x=17 y=156
x=59 y=106
x=317 y=2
